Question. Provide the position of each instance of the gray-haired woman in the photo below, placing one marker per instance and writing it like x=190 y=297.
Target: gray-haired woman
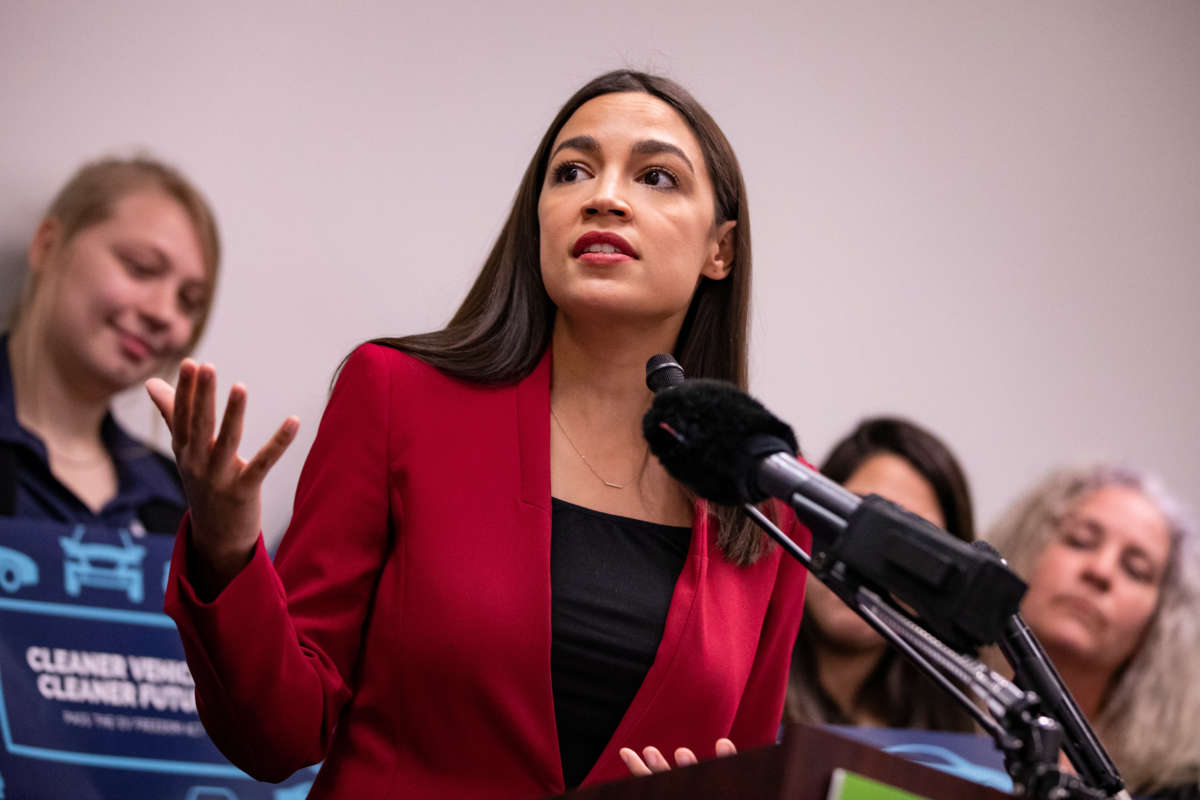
x=1114 y=595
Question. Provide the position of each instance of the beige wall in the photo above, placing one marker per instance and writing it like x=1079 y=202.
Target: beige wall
x=982 y=215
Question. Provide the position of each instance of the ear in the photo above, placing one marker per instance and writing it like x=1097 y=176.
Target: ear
x=45 y=241
x=720 y=261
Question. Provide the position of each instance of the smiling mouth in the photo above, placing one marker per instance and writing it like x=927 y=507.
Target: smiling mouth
x=134 y=346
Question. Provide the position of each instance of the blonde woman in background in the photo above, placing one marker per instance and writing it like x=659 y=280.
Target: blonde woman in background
x=121 y=277
x=1114 y=575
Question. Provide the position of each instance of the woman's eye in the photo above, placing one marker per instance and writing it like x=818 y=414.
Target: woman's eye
x=659 y=179
x=190 y=304
x=569 y=173
x=1077 y=537
x=136 y=267
x=1140 y=570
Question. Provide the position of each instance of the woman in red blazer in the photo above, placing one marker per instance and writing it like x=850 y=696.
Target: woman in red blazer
x=488 y=586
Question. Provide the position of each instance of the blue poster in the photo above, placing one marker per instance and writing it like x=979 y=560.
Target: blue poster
x=969 y=756
x=96 y=700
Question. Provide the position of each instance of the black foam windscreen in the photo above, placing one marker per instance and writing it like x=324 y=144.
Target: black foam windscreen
x=711 y=437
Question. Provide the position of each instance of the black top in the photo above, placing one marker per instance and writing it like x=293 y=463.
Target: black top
x=149 y=497
x=611 y=581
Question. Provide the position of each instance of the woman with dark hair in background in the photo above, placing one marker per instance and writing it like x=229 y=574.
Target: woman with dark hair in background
x=488 y=586
x=121 y=276
x=1113 y=566
x=843 y=672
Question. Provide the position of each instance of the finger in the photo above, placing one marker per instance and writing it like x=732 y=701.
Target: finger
x=684 y=757
x=204 y=408
x=655 y=760
x=163 y=397
x=185 y=388
x=230 y=435
x=634 y=763
x=725 y=747
x=270 y=452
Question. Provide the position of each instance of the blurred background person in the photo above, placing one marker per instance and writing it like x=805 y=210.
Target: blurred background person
x=121 y=276
x=1111 y=562
x=843 y=672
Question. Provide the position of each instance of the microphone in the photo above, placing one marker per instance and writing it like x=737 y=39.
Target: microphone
x=663 y=372
x=722 y=444
x=726 y=447
x=697 y=428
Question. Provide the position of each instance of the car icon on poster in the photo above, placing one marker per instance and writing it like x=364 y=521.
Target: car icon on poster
x=16 y=570
x=104 y=566
x=210 y=793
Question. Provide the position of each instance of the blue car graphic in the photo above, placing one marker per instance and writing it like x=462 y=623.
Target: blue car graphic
x=104 y=566
x=297 y=792
x=16 y=570
x=210 y=793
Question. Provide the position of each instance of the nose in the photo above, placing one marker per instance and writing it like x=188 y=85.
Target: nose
x=608 y=199
x=158 y=305
x=1100 y=569
x=162 y=315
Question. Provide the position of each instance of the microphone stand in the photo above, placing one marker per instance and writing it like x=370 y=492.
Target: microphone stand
x=1034 y=669
x=1028 y=739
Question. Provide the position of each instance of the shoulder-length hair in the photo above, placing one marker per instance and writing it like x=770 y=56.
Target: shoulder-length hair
x=1150 y=719
x=895 y=691
x=503 y=327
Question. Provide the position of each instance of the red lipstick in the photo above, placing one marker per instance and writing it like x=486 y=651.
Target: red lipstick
x=599 y=247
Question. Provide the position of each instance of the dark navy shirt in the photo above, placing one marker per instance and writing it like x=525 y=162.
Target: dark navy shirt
x=149 y=497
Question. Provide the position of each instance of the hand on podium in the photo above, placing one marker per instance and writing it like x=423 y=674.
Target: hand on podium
x=651 y=760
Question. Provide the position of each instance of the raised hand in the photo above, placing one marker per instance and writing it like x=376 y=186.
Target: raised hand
x=224 y=491
x=651 y=760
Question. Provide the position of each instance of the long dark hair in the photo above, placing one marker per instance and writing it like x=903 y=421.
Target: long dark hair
x=895 y=691
x=503 y=327
x=923 y=451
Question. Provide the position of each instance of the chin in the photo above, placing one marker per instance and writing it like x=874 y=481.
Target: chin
x=1072 y=644
x=122 y=375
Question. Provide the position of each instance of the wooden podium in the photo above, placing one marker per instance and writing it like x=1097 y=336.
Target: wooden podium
x=798 y=769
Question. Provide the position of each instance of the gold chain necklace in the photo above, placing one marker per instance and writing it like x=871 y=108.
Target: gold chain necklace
x=583 y=458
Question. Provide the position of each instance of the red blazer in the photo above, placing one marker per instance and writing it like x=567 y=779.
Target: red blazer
x=403 y=633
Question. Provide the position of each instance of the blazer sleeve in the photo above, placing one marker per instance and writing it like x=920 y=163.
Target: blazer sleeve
x=274 y=654
x=761 y=708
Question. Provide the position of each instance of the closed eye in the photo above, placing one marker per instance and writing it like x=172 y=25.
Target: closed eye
x=1080 y=533
x=1079 y=538
x=138 y=268
x=140 y=264
x=1140 y=568
x=191 y=302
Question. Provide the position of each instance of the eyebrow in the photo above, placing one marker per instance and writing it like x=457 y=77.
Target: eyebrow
x=645 y=147
x=650 y=147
